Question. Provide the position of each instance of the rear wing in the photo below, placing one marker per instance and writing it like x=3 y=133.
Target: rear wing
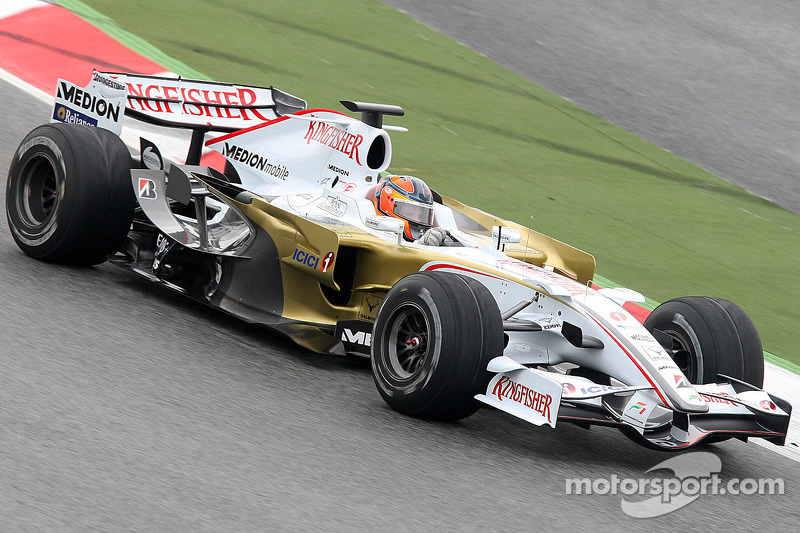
x=186 y=103
x=195 y=105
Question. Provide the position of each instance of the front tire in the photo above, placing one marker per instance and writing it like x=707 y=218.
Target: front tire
x=710 y=336
x=69 y=197
x=433 y=337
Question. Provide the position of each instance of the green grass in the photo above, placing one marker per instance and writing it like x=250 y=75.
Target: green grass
x=482 y=134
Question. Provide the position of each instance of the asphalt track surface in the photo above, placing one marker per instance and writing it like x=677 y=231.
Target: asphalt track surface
x=124 y=407
x=714 y=81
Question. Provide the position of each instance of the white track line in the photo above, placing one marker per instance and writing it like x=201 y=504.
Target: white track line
x=12 y=7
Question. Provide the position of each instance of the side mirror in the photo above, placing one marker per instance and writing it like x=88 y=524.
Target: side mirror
x=505 y=235
x=391 y=224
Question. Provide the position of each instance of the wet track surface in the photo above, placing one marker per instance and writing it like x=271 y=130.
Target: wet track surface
x=126 y=407
x=714 y=81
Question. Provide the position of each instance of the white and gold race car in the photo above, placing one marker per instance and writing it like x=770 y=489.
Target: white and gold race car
x=290 y=234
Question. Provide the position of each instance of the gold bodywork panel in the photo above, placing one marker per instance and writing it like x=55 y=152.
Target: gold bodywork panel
x=312 y=294
x=562 y=257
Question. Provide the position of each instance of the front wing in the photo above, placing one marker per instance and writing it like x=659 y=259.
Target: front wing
x=736 y=409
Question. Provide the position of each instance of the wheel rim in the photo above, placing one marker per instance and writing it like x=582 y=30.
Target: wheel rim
x=683 y=356
x=408 y=342
x=38 y=192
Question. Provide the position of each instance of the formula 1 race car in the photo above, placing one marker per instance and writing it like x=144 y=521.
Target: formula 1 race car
x=288 y=234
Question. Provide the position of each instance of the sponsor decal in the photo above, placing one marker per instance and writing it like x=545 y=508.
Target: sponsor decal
x=42 y=141
x=637 y=411
x=338 y=170
x=347 y=186
x=310 y=260
x=88 y=101
x=617 y=316
x=327 y=261
x=255 y=161
x=369 y=307
x=147 y=189
x=661 y=357
x=151 y=156
x=64 y=114
x=163 y=245
x=152 y=159
x=681 y=381
x=372 y=223
x=548 y=322
x=714 y=399
x=767 y=405
x=656 y=353
x=639 y=407
x=108 y=82
x=194 y=100
x=356 y=335
x=525 y=396
x=594 y=389
x=335 y=138
x=643 y=338
x=334 y=206
x=572 y=390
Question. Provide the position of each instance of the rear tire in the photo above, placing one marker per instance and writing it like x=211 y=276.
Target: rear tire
x=433 y=337
x=69 y=197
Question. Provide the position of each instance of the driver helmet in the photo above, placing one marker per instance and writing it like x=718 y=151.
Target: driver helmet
x=409 y=199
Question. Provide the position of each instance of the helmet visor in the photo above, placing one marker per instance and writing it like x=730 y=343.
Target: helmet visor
x=414 y=212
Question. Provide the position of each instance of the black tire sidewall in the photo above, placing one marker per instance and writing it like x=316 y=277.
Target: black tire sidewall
x=41 y=146
x=458 y=347
x=95 y=198
x=714 y=337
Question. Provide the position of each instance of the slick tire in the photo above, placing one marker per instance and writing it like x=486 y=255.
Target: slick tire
x=69 y=197
x=433 y=337
x=710 y=336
